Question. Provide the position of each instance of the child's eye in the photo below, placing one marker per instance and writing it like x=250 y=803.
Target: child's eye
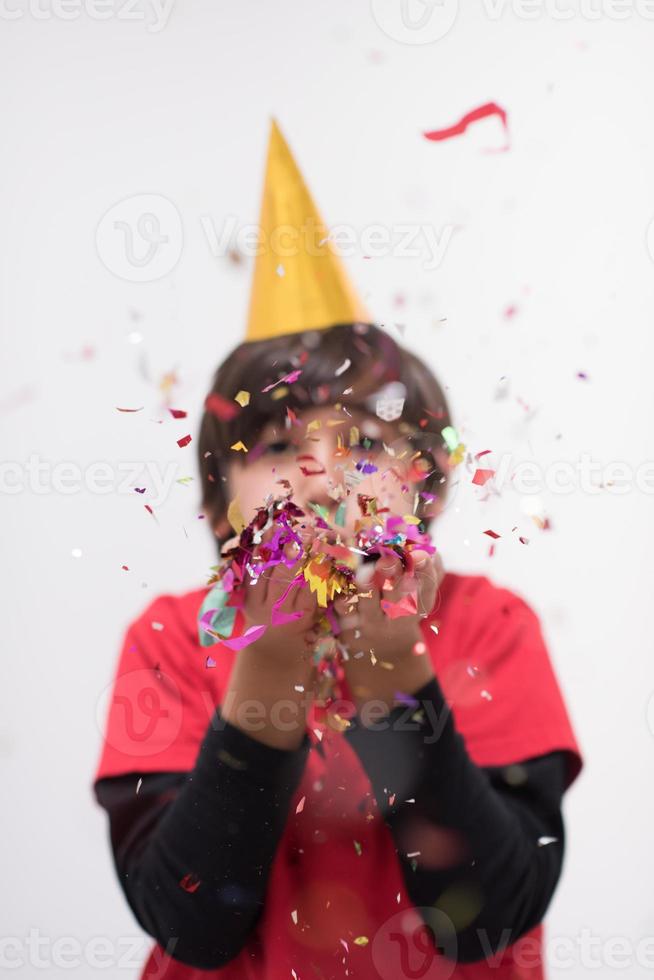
x=279 y=447
x=369 y=444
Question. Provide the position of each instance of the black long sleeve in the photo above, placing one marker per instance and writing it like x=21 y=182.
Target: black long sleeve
x=216 y=830
x=481 y=848
x=193 y=850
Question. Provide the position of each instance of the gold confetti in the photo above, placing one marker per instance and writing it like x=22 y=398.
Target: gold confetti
x=361 y=941
x=239 y=446
x=235 y=516
x=243 y=398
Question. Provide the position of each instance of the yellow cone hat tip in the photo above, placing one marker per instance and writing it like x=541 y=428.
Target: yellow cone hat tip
x=299 y=281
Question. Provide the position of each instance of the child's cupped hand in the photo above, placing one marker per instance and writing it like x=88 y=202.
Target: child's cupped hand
x=287 y=641
x=372 y=623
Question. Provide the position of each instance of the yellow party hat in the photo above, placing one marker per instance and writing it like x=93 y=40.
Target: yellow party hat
x=299 y=281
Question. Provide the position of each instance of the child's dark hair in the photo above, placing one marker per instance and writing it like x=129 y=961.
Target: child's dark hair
x=375 y=361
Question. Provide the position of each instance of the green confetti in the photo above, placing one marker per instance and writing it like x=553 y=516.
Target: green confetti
x=450 y=437
x=339 y=517
x=357 y=847
x=320 y=510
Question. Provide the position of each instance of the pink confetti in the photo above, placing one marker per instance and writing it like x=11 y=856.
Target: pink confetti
x=407 y=606
x=288 y=378
x=251 y=635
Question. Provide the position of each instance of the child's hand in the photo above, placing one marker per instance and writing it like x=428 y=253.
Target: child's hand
x=391 y=638
x=289 y=642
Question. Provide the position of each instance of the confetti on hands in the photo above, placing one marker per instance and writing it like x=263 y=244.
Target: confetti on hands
x=297 y=580
x=384 y=623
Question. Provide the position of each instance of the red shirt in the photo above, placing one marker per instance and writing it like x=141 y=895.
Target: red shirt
x=495 y=672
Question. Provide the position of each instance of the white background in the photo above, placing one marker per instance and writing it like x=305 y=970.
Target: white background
x=97 y=111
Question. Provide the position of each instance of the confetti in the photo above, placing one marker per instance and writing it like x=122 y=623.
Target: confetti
x=300 y=807
x=459 y=128
x=389 y=409
x=251 y=635
x=235 y=516
x=130 y=409
x=240 y=447
x=407 y=606
x=288 y=378
x=184 y=441
x=450 y=437
x=482 y=477
x=220 y=407
x=492 y=534
x=190 y=883
x=343 y=368
x=243 y=398
x=361 y=941
x=178 y=413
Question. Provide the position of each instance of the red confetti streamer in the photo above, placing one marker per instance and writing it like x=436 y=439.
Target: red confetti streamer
x=482 y=476
x=221 y=408
x=492 y=534
x=459 y=128
x=178 y=413
x=184 y=441
x=190 y=883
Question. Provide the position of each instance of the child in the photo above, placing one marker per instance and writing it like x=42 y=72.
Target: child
x=414 y=829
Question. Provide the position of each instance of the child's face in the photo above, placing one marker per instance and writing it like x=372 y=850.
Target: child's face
x=393 y=484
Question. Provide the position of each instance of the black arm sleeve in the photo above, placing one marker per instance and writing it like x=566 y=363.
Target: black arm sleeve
x=483 y=846
x=193 y=850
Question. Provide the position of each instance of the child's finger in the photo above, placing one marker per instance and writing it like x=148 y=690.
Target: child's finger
x=426 y=573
